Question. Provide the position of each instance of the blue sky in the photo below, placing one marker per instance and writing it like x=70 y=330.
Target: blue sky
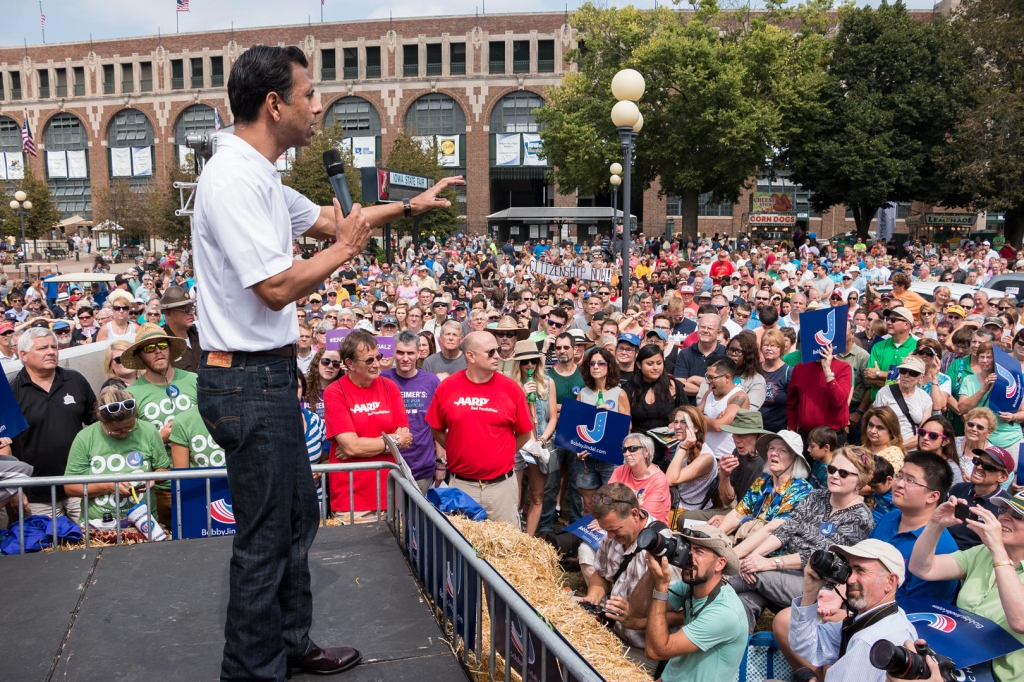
x=74 y=20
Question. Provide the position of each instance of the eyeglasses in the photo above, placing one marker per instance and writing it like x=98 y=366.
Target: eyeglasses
x=327 y=362
x=843 y=473
x=909 y=481
x=985 y=466
x=931 y=435
x=370 y=360
x=1010 y=510
x=630 y=449
x=664 y=329
x=116 y=408
x=912 y=373
x=85 y=316
x=596 y=365
x=153 y=347
x=734 y=351
x=711 y=377
x=976 y=425
x=494 y=318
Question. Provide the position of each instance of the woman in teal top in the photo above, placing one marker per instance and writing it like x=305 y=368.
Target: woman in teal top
x=976 y=391
x=119 y=443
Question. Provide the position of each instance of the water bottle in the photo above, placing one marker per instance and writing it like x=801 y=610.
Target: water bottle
x=531 y=397
x=600 y=400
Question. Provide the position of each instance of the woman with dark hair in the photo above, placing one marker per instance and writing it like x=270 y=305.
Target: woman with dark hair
x=936 y=435
x=882 y=436
x=653 y=394
x=601 y=389
x=324 y=370
x=313 y=427
x=427 y=348
x=742 y=350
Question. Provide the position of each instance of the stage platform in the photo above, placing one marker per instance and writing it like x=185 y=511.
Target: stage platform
x=156 y=612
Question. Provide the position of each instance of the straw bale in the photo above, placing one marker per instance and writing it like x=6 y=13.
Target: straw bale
x=531 y=566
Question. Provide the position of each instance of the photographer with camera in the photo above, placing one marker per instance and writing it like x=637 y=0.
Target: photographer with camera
x=872 y=571
x=710 y=645
x=997 y=562
x=621 y=561
x=935 y=673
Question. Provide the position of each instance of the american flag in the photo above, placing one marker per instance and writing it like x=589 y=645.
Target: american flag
x=182 y=5
x=42 y=17
x=28 y=143
x=216 y=120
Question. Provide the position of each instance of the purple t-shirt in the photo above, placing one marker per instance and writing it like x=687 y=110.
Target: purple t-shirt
x=417 y=393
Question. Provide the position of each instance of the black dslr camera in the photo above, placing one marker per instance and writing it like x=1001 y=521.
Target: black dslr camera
x=830 y=566
x=676 y=548
x=904 y=664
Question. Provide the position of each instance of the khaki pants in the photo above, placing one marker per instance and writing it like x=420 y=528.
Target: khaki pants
x=70 y=507
x=500 y=500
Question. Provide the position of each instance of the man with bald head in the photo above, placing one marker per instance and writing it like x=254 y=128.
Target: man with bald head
x=481 y=419
x=692 y=361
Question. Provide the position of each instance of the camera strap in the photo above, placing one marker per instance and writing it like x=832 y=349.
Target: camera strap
x=710 y=598
x=658 y=526
x=851 y=627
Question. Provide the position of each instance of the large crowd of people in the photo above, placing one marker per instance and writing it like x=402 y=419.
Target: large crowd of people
x=755 y=458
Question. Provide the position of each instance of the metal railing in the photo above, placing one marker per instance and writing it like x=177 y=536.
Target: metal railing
x=177 y=83
x=457 y=68
x=521 y=66
x=496 y=66
x=351 y=72
x=373 y=70
x=433 y=68
x=327 y=73
x=44 y=92
x=79 y=89
x=428 y=541
x=546 y=65
x=62 y=91
x=128 y=86
x=217 y=80
x=411 y=69
x=108 y=88
x=146 y=85
x=177 y=475
x=197 y=81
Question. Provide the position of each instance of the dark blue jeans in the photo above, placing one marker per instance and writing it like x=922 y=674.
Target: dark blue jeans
x=252 y=411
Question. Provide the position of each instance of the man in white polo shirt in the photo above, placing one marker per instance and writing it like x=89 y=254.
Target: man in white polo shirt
x=245 y=220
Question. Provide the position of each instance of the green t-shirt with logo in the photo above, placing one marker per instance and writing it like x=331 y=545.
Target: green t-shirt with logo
x=159 y=404
x=94 y=452
x=190 y=430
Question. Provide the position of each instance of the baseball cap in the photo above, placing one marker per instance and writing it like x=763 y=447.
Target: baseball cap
x=578 y=337
x=60 y=325
x=1001 y=456
x=389 y=320
x=900 y=312
x=876 y=549
x=912 y=362
x=460 y=305
x=718 y=542
x=10 y=315
x=686 y=289
x=704 y=294
x=315 y=297
x=660 y=333
x=955 y=309
x=631 y=339
x=1003 y=499
x=837 y=295
x=6 y=326
x=439 y=302
x=995 y=321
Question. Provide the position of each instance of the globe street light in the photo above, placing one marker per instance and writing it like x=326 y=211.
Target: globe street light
x=615 y=180
x=21 y=204
x=627 y=87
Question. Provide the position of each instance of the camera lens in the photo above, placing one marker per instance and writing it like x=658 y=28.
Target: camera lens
x=898 y=661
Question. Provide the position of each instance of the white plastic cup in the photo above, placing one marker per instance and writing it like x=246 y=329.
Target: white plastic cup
x=139 y=516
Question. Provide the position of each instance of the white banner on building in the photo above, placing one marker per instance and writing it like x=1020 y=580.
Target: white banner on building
x=506 y=149
x=120 y=162
x=448 y=150
x=142 y=161
x=364 y=152
x=13 y=166
x=77 y=167
x=579 y=272
x=532 y=150
x=57 y=164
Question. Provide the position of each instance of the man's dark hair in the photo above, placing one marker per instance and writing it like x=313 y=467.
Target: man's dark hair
x=883 y=471
x=560 y=313
x=707 y=309
x=566 y=336
x=937 y=474
x=768 y=314
x=260 y=71
x=359 y=339
x=624 y=501
x=724 y=365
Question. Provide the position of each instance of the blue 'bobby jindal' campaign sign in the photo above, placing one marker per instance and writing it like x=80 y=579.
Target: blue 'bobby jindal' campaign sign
x=1008 y=389
x=820 y=328
x=599 y=433
x=193 y=509
x=967 y=638
x=12 y=421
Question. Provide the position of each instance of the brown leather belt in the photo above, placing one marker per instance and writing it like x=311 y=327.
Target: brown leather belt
x=496 y=479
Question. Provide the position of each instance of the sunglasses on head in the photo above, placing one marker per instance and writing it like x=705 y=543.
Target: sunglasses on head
x=116 y=408
x=930 y=435
x=906 y=371
x=604 y=499
x=985 y=466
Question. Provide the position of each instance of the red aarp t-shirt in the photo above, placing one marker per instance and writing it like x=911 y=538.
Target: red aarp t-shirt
x=482 y=421
x=367 y=412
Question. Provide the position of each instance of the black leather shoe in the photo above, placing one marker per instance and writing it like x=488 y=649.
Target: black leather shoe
x=326 y=661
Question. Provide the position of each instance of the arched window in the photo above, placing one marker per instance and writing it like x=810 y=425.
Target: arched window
x=71 y=189
x=198 y=118
x=130 y=128
x=10 y=135
x=514 y=113
x=12 y=160
x=357 y=116
x=130 y=147
x=435 y=114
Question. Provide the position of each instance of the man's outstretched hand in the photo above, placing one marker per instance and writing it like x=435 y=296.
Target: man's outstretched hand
x=429 y=200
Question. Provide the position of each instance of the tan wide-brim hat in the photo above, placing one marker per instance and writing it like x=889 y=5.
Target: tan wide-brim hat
x=719 y=543
x=175 y=297
x=146 y=334
x=526 y=350
x=508 y=324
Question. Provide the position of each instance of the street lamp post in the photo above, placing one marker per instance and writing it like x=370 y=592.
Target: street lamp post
x=615 y=180
x=627 y=87
x=21 y=204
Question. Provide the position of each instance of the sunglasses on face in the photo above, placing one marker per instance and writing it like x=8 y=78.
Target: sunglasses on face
x=153 y=313
x=930 y=435
x=630 y=449
x=86 y=316
x=152 y=347
x=1009 y=510
x=912 y=373
x=598 y=365
x=370 y=360
x=115 y=408
x=985 y=466
x=327 y=362
x=490 y=353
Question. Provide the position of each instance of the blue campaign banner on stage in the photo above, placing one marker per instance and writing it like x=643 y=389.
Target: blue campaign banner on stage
x=599 y=433
x=193 y=508
x=820 y=328
x=967 y=638
x=582 y=530
x=1008 y=391
x=12 y=421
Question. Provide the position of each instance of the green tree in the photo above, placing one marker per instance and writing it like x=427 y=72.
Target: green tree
x=44 y=215
x=721 y=89
x=985 y=151
x=409 y=156
x=166 y=201
x=894 y=89
x=126 y=205
x=308 y=176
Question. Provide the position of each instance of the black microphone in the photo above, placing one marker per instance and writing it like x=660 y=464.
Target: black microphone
x=336 y=174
